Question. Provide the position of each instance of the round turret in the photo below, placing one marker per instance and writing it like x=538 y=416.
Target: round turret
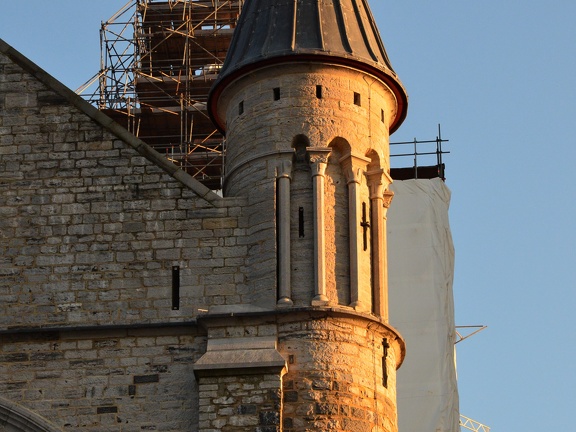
x=332 y=32
x=307 y=99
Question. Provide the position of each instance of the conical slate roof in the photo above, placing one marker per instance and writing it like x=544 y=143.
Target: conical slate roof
x=335 y=31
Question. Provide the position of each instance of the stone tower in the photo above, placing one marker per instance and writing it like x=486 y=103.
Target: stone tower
x=307 y=99
x=132 y=297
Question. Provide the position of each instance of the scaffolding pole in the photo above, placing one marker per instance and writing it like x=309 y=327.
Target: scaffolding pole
x=158 y=62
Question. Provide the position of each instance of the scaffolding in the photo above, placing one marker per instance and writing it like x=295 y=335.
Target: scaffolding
x=158 y=62
x=159 y=59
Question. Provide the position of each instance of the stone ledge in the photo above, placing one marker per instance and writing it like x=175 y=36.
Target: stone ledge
x=239 y=362
x=228 y=315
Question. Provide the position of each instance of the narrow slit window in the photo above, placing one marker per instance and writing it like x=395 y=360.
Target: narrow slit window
x=301 y=222
x=241 y=108
x=175 y=287
x=382 y=115
x=276 y=93
x=357 y=99
x=385 y=347
x=319 y=91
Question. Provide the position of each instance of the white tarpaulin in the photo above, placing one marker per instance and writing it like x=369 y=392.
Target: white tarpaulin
x=421 y=268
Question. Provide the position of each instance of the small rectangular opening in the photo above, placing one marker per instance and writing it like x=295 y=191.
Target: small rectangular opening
x=382 y=115
x=301 y=222
x=276 y=93
x=175 y=287
x=357 y=100
x=241 y=108
x=319 y=91
x=385 y=347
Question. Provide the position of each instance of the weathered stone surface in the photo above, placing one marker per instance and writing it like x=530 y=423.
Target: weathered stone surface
x=110 y=255
x=89 y=233
x=82 y=210
x=74 y=377
x=335 y=371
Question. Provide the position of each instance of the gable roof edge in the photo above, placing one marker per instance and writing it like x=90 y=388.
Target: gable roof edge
x=106 y=122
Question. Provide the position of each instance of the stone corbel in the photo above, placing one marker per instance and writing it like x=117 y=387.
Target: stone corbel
x=378 y=182
x=387 y=199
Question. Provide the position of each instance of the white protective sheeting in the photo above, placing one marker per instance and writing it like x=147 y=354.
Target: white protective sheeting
x=421 y=269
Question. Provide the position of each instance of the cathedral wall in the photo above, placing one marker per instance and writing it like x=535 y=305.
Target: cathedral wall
x=91 y=230
x=105 y=380
x=129 y=298
x=92 y=233
x=257 y=188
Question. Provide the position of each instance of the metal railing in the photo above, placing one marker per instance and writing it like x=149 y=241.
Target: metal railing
x=420 y=155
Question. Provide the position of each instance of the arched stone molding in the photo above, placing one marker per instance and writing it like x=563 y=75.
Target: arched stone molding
x=341 y=144
x=16 y=418
x=299 y=144
x=377 y=160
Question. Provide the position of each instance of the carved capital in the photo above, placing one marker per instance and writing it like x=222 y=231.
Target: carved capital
x=378 y=182
x=318 y=158
x=284 y=169
x=375 y=183
x=353 y=167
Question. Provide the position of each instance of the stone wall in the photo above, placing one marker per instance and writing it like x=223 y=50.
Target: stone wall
x=92 y=224
x=341 y=373
x=241 y=403
x=90 y=227
x=110 y=256
x=105 y=380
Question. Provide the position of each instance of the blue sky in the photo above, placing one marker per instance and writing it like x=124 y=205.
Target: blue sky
x=500 y=78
